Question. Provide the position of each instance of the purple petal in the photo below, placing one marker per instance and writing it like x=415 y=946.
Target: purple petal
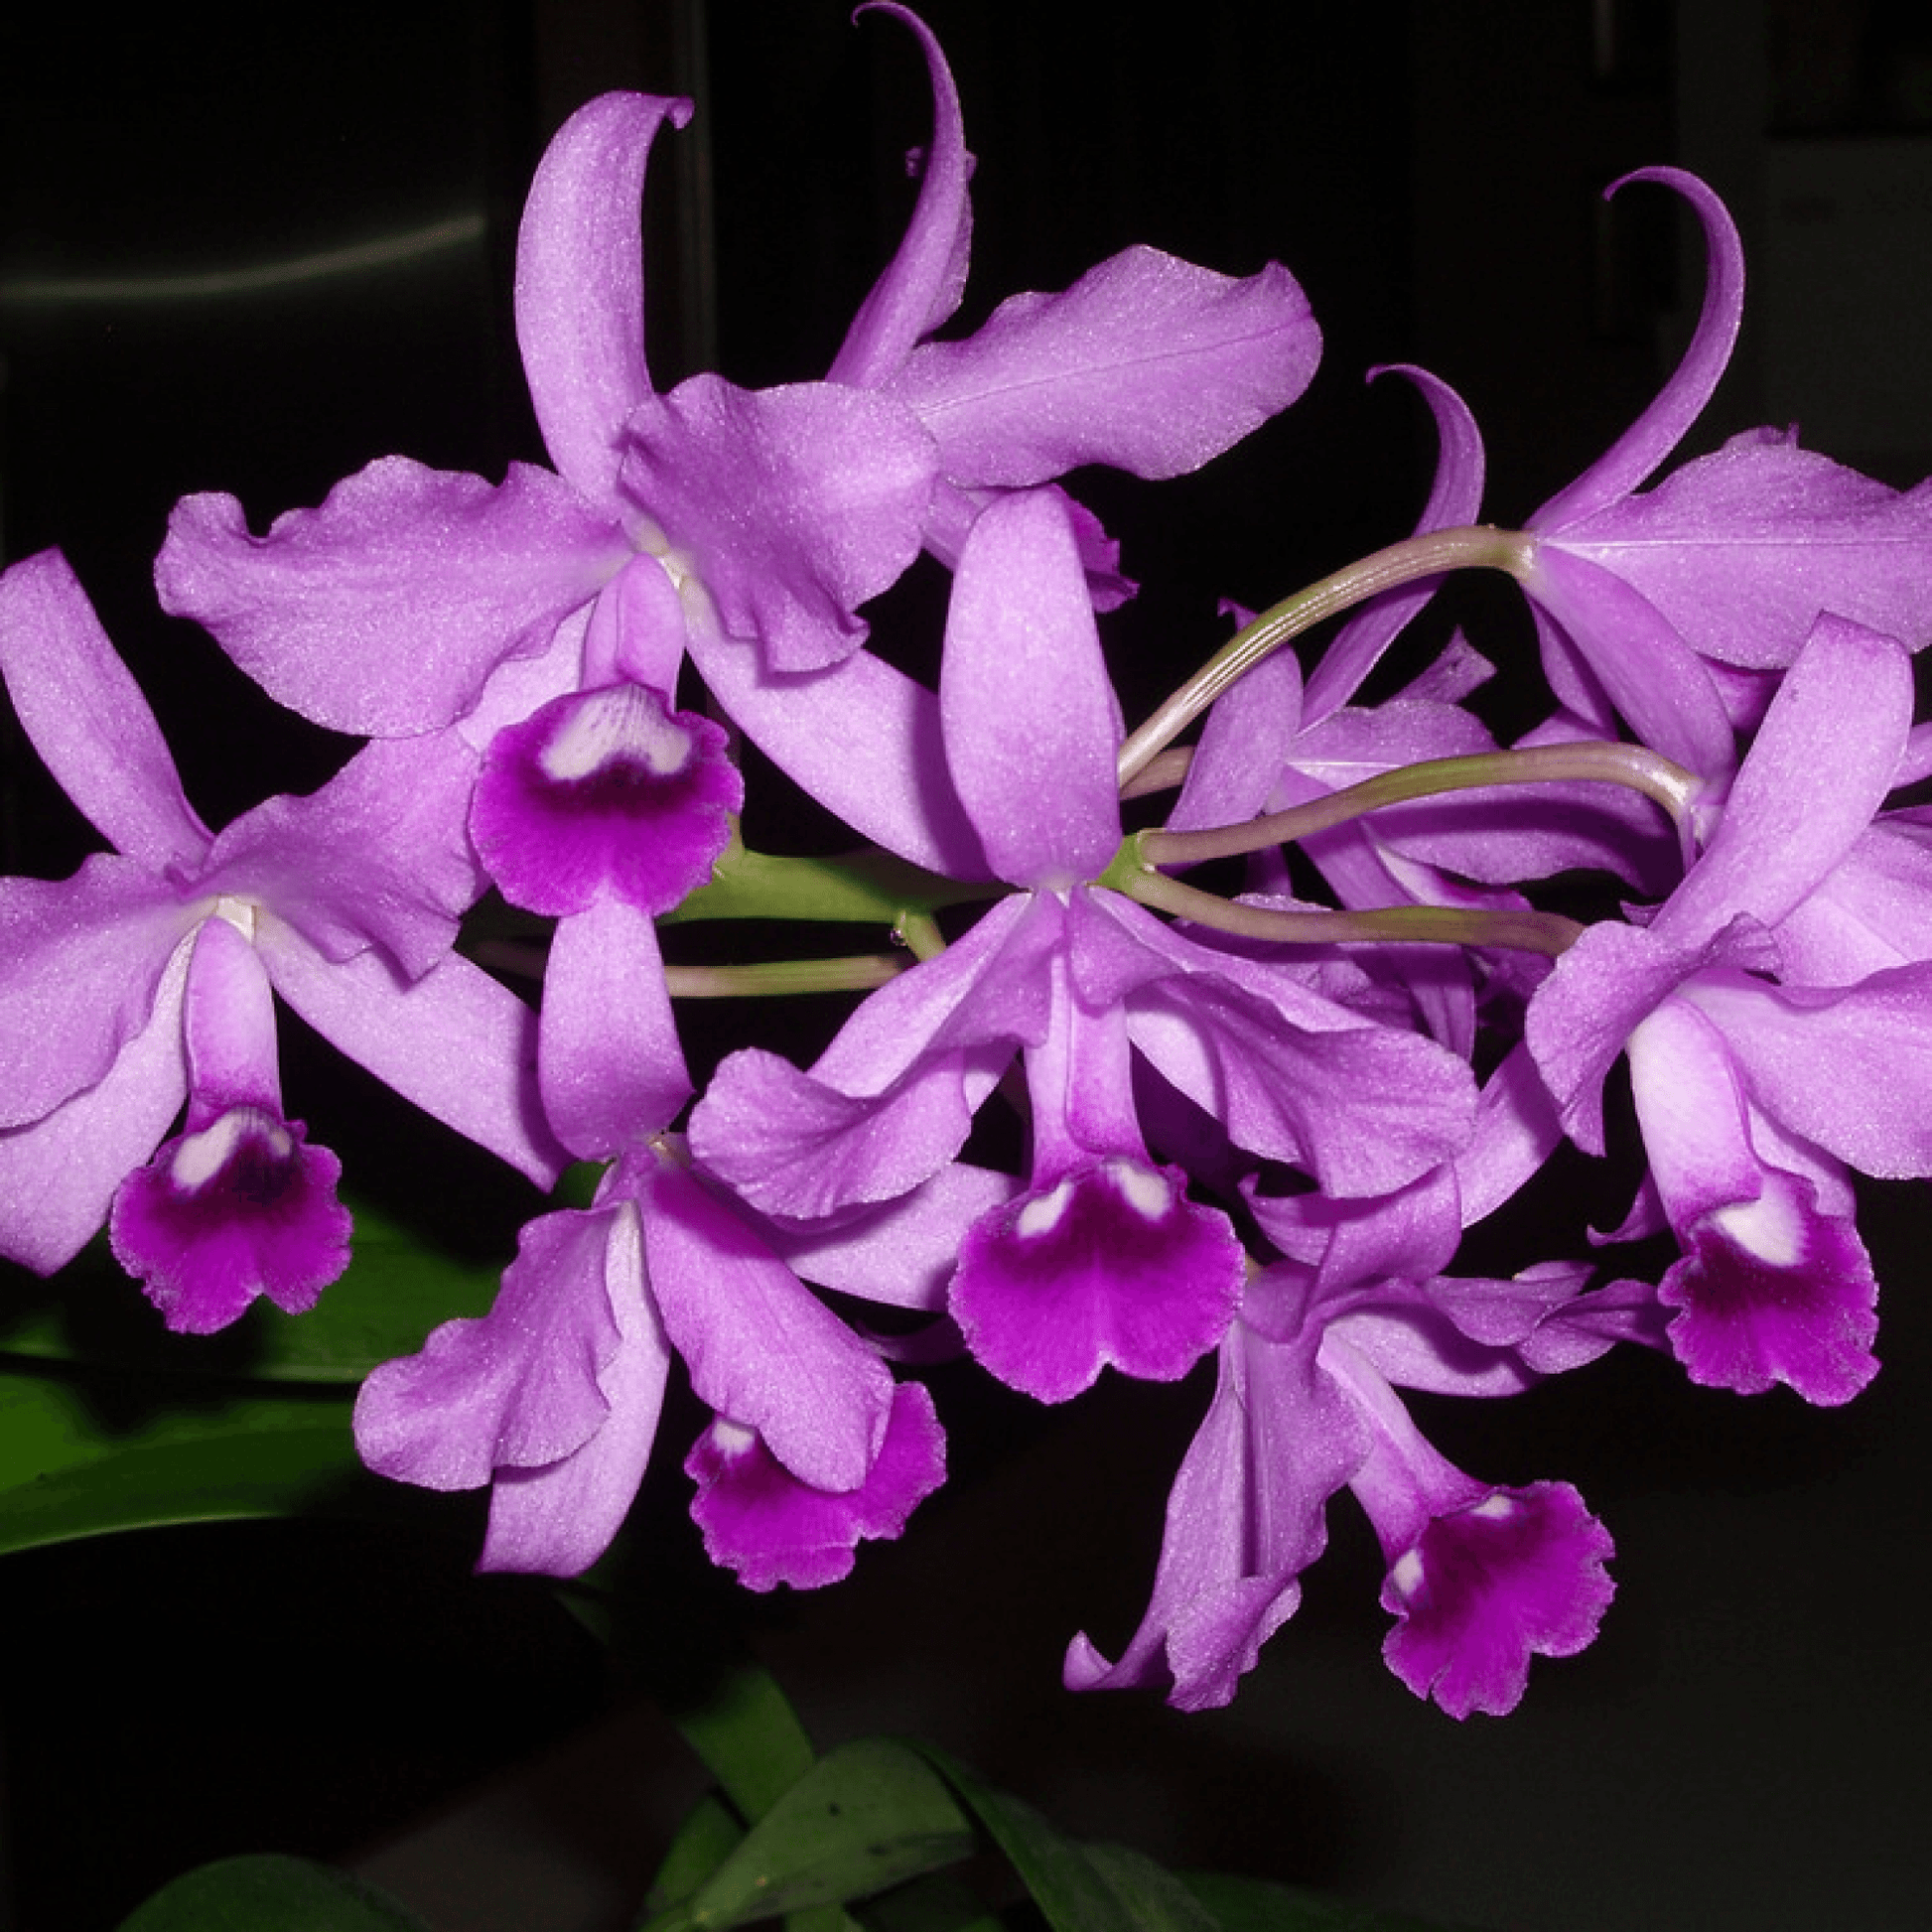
x=520 y=1387
x=762 y=1522
x=455 y=1042
x=241 y=1208
x=1147 y=362
x=1661 y=427
x=59 y=1175
x=81 y=960
x=609 y=1062
x=1742 y=549
x=1486 y=1586
x=862 y=737
x=1243 y=746
x=922 y=284
x=606 y=791
x=953 y=511
x=88 y=718
x=1032 y=724
x=792 y=505
x=1110 y=1265
x=384 y=610
x=579 y=282
x=760 y=1347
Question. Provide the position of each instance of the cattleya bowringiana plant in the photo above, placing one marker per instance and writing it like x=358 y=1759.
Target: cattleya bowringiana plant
x=1258 y=1125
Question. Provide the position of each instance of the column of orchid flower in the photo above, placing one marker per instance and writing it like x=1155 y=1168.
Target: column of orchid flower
x=1256 y=1127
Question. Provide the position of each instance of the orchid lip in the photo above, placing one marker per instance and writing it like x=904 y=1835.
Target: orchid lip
x=620 y=726
x=249 y=1145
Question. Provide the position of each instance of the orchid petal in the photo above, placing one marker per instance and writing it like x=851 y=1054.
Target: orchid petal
x=793 y=505
x=1246 y=741
x=924 y=280
x=1149 y=363
x=88 y=718
x=1661 y=427
x=384 y=610
x=579 y=282
x=760 y=1347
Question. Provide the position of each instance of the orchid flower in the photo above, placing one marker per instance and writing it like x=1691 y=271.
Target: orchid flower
x=749 y=526
x=1101 y=1258
x=145 y=980
x=1753 y=1096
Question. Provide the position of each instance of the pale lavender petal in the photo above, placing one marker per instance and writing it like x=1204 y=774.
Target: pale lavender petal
x=384 y=610
x=1111 y=1265
x=579 y=282
x=1814 y=778
x=454 y=1041
x=862 y=737
x=1243 y=746
x=243 y=1207
x=792 y=505
x=517 y=1388
x=922 y=284
x=80 y=962
x=1744 y=549
x=604 y=792
x=87 y=719
x=58 y=1177
x=762 y=1522
x=559 y=1519
x=760 y=1347
x=1661 y=427
x=1148 y=363
x=380 y=855
x=1454 y=498
x=1030 y=720
x=637 y=632
x=1486 y=1586
x=1870 y=911
x=1849 y=1069
x=953 y=510
x=228 y=1027
x=904 y=1253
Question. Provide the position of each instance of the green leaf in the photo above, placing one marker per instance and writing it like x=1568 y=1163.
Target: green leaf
x=78 y=1456
x=396 y=1290
x=267 y=1892
x=1259 y=1905
x=867 y=1815
x=861 y=887
x=749 y=1737
x=709 y=1835
x=942 y=1901
x=1154 y=1899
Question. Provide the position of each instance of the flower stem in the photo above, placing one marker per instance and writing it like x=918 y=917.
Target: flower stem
x=1478 y=546
x=1523 y=931
x=853 y=973
x=1597 y=760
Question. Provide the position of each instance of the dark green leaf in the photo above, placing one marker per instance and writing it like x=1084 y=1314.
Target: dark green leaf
x=1154 y=1899
x=942 y=1901
x=71 y=1467
x=709 y=1835
x=867 y=1815
x=1257 y=1905
x=749 y=1737
x=864 y=888
x=269 y=1894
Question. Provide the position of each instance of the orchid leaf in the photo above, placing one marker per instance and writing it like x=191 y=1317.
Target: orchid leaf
x=942 y=1901
x=862 y=887
x=709 y=1835
x=268 y=1893
x=71 y=1467
x=1259 y=1905
x=749 y=1737
x=867 y=1815
x=396 y=1290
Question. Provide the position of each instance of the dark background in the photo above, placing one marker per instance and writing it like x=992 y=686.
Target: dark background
x=1741 y=1749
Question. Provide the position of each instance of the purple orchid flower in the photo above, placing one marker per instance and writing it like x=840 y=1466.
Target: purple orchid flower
x=747 y=525
x=1481 y=1578
x=1667 y=607
x=145 y=979
x=1753 y=1096
x=553 y=1397
x=1101 y=1258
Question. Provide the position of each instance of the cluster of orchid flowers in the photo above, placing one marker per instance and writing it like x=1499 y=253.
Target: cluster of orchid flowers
x=1258 y=1125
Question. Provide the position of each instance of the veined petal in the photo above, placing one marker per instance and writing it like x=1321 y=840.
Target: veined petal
x=57 y=1175
x=761 y=1348
x=1661 y=427
x=924 y=280
x=82 y=961
x=384 y=610
x=579 y=282
x=1243 y=746
x=793 y=505
x=1147 y=362
x=88 y=718
x=454 y=1041
x=1030 y=720
x=611 y=1068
